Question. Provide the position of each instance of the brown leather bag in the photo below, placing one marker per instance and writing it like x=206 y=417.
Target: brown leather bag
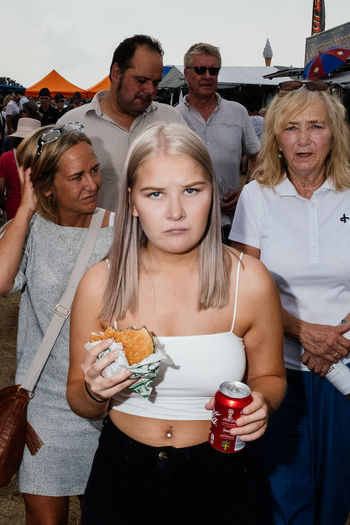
x=15 y=431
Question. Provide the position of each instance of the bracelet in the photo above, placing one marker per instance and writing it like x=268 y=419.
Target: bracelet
x=93 y=397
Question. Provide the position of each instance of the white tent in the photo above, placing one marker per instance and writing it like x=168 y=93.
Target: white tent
x=229 y=76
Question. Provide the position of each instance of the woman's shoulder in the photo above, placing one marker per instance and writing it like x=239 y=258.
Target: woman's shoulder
x=96 y=275
x=253 y=273
x=92 y=286
x=246 y=261
x=41 y=229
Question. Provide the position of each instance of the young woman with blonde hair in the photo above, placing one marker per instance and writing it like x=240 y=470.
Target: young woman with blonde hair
x=211 y=311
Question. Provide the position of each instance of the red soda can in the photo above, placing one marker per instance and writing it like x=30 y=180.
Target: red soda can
x=229 y=400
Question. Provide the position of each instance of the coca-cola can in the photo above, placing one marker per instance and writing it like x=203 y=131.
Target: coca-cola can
x=229 y=401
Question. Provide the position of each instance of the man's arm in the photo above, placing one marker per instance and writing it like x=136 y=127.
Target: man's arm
x=252 y=162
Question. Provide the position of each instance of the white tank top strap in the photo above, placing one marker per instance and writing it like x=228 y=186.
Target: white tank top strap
x=236 y=290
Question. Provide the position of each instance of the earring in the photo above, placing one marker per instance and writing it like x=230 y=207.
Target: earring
x=280 y=155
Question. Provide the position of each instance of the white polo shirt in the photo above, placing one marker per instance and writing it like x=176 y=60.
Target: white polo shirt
x=305 y=244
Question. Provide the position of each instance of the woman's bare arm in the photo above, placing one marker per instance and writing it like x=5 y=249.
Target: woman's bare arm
x=264 y=337
x=264 y=349
x=260 y=320
x=11 y=244
x=85 y=318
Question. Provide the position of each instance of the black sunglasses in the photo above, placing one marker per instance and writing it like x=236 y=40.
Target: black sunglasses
x=200 y=70
x=59 y=99
x=312 y=85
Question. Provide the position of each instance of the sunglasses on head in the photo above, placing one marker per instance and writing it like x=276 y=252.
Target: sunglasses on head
x=311 y=85
x=52 y=134
x=200 y=70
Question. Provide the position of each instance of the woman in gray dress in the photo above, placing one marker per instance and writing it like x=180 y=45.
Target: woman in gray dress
x=60 y=182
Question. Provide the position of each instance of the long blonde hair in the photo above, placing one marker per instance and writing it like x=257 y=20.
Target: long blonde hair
x=271 y=169
x=121 y=292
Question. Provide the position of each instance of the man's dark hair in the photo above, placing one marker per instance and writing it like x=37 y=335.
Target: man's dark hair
x=44 y=92
x=126 y=50
x=19 y=91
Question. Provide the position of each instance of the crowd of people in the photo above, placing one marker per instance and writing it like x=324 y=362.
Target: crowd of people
x=46 y=109
x=244 y=285
x=19 y=117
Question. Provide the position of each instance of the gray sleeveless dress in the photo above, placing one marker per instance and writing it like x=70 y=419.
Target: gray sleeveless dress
x=62 y=465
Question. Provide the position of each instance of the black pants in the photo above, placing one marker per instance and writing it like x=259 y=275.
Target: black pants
x=134 y=483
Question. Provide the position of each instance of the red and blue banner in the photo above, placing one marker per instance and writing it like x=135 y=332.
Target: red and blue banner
x=318 y=17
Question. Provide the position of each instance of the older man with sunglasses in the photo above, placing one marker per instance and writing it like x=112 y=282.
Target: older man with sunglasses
x=224 y=126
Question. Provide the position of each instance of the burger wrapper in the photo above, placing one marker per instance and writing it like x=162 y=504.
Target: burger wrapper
x=146 y=371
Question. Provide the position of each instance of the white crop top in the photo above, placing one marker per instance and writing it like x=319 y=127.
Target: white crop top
x=196 y=366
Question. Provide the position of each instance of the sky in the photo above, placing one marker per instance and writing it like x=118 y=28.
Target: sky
x=78 y=38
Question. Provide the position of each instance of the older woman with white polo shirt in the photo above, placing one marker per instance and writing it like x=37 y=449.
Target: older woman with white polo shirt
x=295 y=217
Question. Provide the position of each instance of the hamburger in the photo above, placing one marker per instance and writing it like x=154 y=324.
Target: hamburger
x=137 y=343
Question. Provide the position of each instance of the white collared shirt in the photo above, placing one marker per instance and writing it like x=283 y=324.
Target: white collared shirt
x=305 y=244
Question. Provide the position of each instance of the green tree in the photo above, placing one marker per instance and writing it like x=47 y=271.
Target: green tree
x=7 y=81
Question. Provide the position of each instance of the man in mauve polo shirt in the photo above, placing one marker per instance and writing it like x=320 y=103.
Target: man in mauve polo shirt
x=116 y=117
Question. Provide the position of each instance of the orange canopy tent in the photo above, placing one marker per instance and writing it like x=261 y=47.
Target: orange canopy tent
x=56 y=84
x=105 y=83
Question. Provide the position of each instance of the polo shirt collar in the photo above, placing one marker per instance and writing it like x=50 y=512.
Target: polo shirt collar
x=95 y=103
x=218 y=98
x=287 y=189
x=96 y=107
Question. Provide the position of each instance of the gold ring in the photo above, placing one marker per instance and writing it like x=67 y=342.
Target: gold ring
x=335 y=355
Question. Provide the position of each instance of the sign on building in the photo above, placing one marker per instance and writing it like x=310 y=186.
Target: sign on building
x=337 y=37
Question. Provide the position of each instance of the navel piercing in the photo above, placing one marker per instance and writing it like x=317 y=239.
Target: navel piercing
x=169 y=434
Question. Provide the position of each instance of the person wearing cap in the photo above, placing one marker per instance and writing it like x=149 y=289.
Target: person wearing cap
x=9 y=180
x=50 y=115
x=223 y=125
x=115 y=117
x=60 y=101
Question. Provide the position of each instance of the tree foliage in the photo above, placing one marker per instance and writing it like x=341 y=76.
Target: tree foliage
x=7 y=81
